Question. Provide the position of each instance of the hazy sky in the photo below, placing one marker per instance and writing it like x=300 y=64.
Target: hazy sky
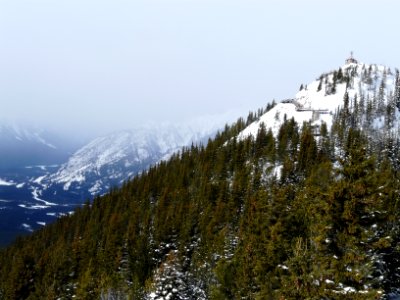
x=116 y=64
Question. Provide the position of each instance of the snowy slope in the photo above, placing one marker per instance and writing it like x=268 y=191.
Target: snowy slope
x=318 y=101
x=17 y=133
x=112 y=159
x=22 y=145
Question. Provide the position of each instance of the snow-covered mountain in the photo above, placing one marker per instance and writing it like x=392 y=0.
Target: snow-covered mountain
x=371 y=93
x=28 y=152
x=44 y=176
x=364 y=86
x=110 y=160
x=26 y=145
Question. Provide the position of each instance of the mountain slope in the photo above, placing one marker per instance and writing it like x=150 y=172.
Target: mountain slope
x=318 y=101
x=219 y=222
x=39 y=193
x=27 y=153
x=110 y=160
x=21 y=146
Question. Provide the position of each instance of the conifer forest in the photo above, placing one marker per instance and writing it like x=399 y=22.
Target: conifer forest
x=306 y=212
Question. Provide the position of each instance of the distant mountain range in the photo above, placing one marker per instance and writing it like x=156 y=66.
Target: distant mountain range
x=22 y=146
x=42 y=176
x=110 y=160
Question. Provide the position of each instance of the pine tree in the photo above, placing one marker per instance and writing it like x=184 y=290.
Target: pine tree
x=353 y=205
x=334 y=82
x=308 y=151
x=397 y=90
x=339 y=75
x=320 y=84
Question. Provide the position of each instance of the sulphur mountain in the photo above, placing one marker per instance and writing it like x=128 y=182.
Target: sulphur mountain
x=297 y=201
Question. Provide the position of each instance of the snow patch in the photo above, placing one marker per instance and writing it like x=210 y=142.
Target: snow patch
x=36 y=193
x=33 y=206
x=27 y=227
x=6 y=183
x=20 y=185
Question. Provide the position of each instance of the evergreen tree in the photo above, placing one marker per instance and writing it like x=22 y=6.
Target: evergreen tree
x=308 y=151
x=320 y=84
x=397 y=90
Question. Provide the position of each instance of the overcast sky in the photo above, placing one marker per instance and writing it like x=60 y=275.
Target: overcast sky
x=116 y=64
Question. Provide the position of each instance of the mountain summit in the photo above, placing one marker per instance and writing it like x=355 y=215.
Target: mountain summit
x=368 y=90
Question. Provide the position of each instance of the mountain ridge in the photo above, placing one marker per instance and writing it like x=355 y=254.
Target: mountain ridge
x=218 y=221
x=319 y=100
x=38 y=192
x=25 y=145
x=110 y=160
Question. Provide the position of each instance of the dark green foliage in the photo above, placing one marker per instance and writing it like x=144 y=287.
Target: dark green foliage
x=307 y=156
x=216 y=222
x=397 y=90
x=339 y=75
x=320 y=83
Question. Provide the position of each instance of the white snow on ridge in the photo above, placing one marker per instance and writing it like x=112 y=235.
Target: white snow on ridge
x=39 y=179
x=95 y=188
x=6 y=183
x=311 y=98
x=274 y=118
x=22 y=133
x=120 y=155
x=317 y=103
